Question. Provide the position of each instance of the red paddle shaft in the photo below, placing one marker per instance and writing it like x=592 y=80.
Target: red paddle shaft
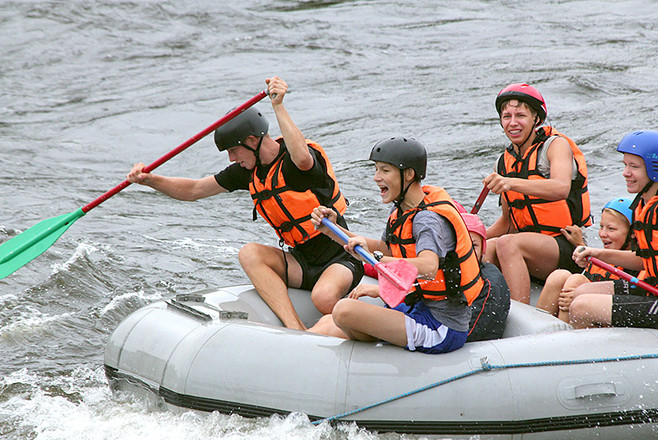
x=480 y=200
x=626 y=276
x=194 y=139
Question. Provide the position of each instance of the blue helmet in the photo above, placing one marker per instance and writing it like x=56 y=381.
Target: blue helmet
x=623 y=206
x=644 y=144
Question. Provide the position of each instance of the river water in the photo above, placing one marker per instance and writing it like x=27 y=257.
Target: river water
x=89 y=88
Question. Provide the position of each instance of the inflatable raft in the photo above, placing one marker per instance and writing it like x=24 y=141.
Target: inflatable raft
x=224 y=350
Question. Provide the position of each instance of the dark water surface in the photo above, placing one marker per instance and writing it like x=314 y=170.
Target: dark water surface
x=89 y=88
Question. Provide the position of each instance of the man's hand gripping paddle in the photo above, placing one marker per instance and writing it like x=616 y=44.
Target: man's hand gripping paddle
x=623 y=275
x=397 y=276
x=29 y=244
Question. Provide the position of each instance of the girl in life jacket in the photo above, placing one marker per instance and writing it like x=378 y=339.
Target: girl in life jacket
x=542 y=180
x=490 y=309
x=426 y=228
x=615 y=233
x=618 y=303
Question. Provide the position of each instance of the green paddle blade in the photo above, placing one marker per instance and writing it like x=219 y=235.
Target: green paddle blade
x=29 y=244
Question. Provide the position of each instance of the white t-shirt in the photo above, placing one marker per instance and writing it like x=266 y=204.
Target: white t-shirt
x=544 y=166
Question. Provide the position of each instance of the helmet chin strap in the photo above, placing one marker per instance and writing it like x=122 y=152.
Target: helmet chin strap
x=647 y=186
x=638 y=197
x=256 y=151
x=400 y=198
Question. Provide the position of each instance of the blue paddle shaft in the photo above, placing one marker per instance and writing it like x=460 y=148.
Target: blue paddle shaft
x=343 y=236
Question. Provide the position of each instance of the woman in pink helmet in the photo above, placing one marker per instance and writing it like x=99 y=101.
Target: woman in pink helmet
x=542 y=180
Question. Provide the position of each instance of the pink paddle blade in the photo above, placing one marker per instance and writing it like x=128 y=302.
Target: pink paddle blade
x=397 y=278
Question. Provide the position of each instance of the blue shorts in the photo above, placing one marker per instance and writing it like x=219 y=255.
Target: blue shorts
x=426 y=334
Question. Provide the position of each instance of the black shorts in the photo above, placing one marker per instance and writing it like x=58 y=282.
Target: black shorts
x=566 y=253
x=319 y=253
x=632 y=307
x=623 y=287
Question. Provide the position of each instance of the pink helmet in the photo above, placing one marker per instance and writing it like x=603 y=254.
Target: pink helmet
x=474 y=224
x=459 y=207
x=525 y=93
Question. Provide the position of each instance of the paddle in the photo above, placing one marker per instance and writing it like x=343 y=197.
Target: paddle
x=398 y=276
x=480 y=200
x=626 y=276
x=28 y=245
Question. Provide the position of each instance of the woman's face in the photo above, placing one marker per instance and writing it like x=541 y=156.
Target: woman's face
x=613 y=230
x=635 y=173
x=387 y=178
x=517 y=120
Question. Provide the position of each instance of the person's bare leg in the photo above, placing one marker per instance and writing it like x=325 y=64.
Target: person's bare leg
x=550 y=294
x=332 y=285
x=367 y=322
x=592 y=305
x=265 y=267
x=326 y=326
x=566 y=296
x=591 y=311
x=524 y=254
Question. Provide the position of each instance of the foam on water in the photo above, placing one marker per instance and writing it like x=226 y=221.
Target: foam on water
x=81 y=251
x=119 y=300
x=28 y=319
x=196 y=244
x=80 y=406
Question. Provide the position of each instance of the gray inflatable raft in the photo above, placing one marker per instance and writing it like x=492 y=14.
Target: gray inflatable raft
x=224 y=350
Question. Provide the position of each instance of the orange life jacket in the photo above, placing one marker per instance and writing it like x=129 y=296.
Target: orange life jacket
x=534 y=214
x=287 y=210
x=645 y=226
x=595 y=273
x=460 y=268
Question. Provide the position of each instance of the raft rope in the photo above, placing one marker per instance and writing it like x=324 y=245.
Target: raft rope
x=486 y=366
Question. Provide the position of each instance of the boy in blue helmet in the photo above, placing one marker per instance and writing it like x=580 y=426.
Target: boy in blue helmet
x=287 y=177
x=617 y=303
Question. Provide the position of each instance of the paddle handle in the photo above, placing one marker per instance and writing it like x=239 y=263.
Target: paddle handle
x=626 y=276
x=343 y=236
x=478 y=203
x=194 y=139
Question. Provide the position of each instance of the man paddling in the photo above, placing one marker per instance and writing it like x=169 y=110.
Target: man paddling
x=287 y=177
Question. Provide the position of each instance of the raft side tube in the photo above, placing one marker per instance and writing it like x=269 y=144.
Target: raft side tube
x=381 y=371
x=143 y=344
x=270 y=368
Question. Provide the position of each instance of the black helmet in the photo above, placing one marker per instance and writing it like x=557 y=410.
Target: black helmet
x=250 y=122
x=402 y=153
